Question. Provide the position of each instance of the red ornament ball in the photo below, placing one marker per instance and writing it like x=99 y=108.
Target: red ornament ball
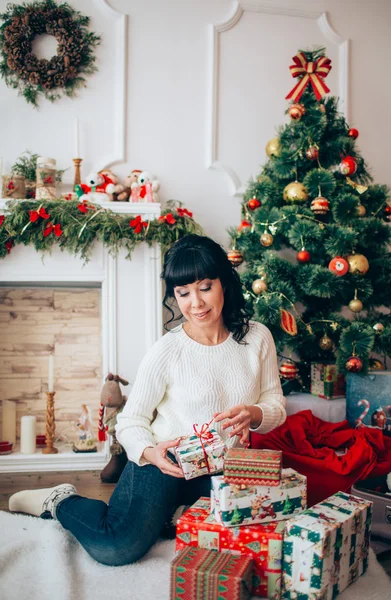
x=348 y=165
x=253 y=203
x=312 y=153
x=296 y=111
x=303 y=256
x=354 y=364
x=288 y=370
x=235 y=257
x=320 y=206
x=353 y=133
x=339 y=266
x=387 y=212
x=244 y=225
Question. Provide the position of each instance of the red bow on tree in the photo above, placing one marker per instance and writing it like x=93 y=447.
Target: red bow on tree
x=2 y=219
x=183 y=211
x=9 y=246
x=55 y=228
x=168 y=218
x=35 y=214
x=311 y=72
x=84 y=206
x=204 y=434
x=138 y=224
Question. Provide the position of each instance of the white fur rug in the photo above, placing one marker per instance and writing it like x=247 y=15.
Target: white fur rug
x=39 y=560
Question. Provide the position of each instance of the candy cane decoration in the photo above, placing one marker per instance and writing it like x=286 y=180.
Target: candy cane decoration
x=101 y=427
x=359 y=421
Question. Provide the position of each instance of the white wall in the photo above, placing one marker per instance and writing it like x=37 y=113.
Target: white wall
x=168 y=93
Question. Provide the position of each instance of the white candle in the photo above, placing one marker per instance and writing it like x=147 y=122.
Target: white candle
x=8 y=433
x=51 y=374
x=28 y=434
x=77 y=140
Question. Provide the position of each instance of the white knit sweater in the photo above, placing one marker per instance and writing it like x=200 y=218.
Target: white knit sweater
x=181 y=382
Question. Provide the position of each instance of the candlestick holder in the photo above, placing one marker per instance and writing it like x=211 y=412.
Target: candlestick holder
x=50 y=425
x=77 y=162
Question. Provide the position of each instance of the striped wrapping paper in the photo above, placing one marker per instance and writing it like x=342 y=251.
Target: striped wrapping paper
x=255 y=467
x=199 y=574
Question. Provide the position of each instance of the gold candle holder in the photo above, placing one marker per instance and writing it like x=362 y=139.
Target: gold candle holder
x=50 y=425
x=77 y=181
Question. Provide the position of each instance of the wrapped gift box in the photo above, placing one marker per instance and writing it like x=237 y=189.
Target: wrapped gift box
x=368 y=400
x=234 y=505
x=198 y=574
x=198 y=528
x=252 y=467
x=326 y=547
x=326 y=382
x=201 y=454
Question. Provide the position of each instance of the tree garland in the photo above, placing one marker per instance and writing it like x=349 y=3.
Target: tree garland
x=23 y=70
x=75 y=226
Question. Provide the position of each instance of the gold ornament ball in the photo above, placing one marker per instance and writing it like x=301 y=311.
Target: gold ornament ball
x=259 y=286
x=295 y=192
x=378 y=327
x=355 y=305
x=361 y=211
x=358 y=264
x=325 y=342
x=235 y=257
x=273 y=147
x=375 y=365
x=266 y=239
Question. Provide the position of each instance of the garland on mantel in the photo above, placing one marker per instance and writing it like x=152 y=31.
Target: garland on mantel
x=75 y=226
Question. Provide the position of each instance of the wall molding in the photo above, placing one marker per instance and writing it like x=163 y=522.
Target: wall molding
x=119 y=91
x=237 y=188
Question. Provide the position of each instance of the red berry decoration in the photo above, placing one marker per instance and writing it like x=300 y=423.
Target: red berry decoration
x=354 y=364
x=348 y=166
x=339 y=266
x=253 y=203
x=243 y=226
x=353 y=133
x=303 y=256
x=288 y=370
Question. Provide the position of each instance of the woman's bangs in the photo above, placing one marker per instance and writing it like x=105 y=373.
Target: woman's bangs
x=190 y=266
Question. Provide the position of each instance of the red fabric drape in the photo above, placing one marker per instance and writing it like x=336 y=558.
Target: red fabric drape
x=309 y=446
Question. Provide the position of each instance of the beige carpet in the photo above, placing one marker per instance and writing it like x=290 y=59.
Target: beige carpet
x=39 y=560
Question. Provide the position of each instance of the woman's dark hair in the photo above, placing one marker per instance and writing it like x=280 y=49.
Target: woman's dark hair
x=194 y=258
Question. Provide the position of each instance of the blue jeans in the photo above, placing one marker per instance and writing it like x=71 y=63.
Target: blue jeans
x=122 y=531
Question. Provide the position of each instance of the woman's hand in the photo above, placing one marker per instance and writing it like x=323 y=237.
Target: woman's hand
x=240 y=418
x=158 y=456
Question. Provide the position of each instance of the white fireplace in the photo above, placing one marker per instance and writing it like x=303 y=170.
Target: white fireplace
x=131 y=317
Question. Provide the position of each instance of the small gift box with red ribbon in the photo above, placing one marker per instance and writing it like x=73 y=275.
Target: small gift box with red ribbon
x=201 y=453
x=252 y=467
x=198 y=574
x=197 y=527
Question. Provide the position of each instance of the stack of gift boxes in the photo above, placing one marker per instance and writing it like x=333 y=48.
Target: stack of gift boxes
x=267 y=543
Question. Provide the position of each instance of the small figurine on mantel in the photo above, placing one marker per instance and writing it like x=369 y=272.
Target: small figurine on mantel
x=86 y=442
x=112 y=403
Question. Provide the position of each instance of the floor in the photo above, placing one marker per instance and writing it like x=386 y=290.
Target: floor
x=87 y=484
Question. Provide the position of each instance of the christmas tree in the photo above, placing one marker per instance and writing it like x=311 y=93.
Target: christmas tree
x=288 y=507
x=237 y=517
x=314 y=236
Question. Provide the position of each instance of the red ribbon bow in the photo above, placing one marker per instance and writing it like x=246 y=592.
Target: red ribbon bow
x=204 y=434
x=55 y=228
x=313 y=72
x=138 y=224
x=35 y=214
x=168 y=218
x=183 y=211
x=2 y=219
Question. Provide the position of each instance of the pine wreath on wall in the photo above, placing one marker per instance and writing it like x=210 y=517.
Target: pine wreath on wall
x=65 y=72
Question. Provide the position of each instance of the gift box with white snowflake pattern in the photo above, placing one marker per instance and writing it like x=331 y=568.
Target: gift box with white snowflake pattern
x=326 y=548
x=199 y=455
x=197 y=527
x=234 y=505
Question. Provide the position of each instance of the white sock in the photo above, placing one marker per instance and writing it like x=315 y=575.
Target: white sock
x=35 y=502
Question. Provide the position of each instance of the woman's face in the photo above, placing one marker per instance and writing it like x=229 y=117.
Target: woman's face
x=201 y=302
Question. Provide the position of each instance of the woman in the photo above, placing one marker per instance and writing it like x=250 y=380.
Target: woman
x=216 y=365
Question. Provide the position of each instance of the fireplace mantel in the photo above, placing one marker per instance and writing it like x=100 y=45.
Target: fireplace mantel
x=131 y=297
